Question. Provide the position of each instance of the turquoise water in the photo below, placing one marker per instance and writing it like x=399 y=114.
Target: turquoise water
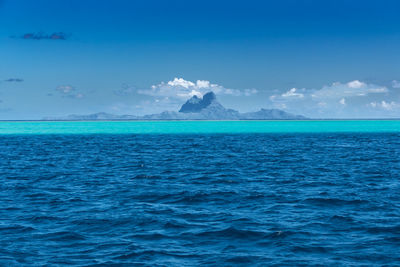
x=192 y=127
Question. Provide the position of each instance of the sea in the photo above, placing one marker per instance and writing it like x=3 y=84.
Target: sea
x=200 y=193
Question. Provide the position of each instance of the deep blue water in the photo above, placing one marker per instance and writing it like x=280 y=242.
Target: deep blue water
x=210 y=199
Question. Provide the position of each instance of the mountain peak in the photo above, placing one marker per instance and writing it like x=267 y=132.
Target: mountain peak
x=195 y=104
x=209 y=97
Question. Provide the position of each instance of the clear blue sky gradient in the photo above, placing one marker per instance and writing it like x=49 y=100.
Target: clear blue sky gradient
x=116 y=50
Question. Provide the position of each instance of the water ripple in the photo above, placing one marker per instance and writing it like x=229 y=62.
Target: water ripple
x=209 y=199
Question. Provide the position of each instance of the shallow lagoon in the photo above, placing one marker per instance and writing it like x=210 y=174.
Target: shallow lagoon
x=193 y=127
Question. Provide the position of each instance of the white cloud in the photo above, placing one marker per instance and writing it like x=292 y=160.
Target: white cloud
x=355 y=84
x=183 y=83
x=292 y=93
x=340 y=100
x=395 y=84
x=351 y=89
x=385 y=105
x=183 y=89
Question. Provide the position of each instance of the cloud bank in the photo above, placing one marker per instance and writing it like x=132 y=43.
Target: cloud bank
x=385 y=105
x=351 y=99
x=183 y=89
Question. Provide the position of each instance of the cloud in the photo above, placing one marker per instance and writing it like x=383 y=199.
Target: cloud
x=249 y=92
x=395 y=84
x=292 y=93
x=336 y=91
x=14 y=80
x=386 y=105
x=351 y=99
x=287 y=96
x=44 y=36
x=183 y=89
x=68 y=91
x=350 y=89
x=355 y=84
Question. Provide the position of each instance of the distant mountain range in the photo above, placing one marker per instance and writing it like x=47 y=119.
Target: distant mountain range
x=206 y=108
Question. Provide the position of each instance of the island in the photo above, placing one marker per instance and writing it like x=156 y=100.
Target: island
x=196 y=108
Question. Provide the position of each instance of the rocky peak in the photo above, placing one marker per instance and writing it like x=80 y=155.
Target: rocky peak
x=195 y=104
x=209 y=97
x=194 y=100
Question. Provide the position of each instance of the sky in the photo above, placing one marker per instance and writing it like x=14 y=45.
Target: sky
x=320 y=59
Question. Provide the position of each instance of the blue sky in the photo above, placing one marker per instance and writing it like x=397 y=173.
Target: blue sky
x=322 y=59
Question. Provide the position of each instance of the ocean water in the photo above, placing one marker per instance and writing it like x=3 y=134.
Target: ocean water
x=74 y=194
x=197 y=127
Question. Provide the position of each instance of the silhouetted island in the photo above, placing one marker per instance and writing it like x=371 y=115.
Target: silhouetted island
x=206 y=108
